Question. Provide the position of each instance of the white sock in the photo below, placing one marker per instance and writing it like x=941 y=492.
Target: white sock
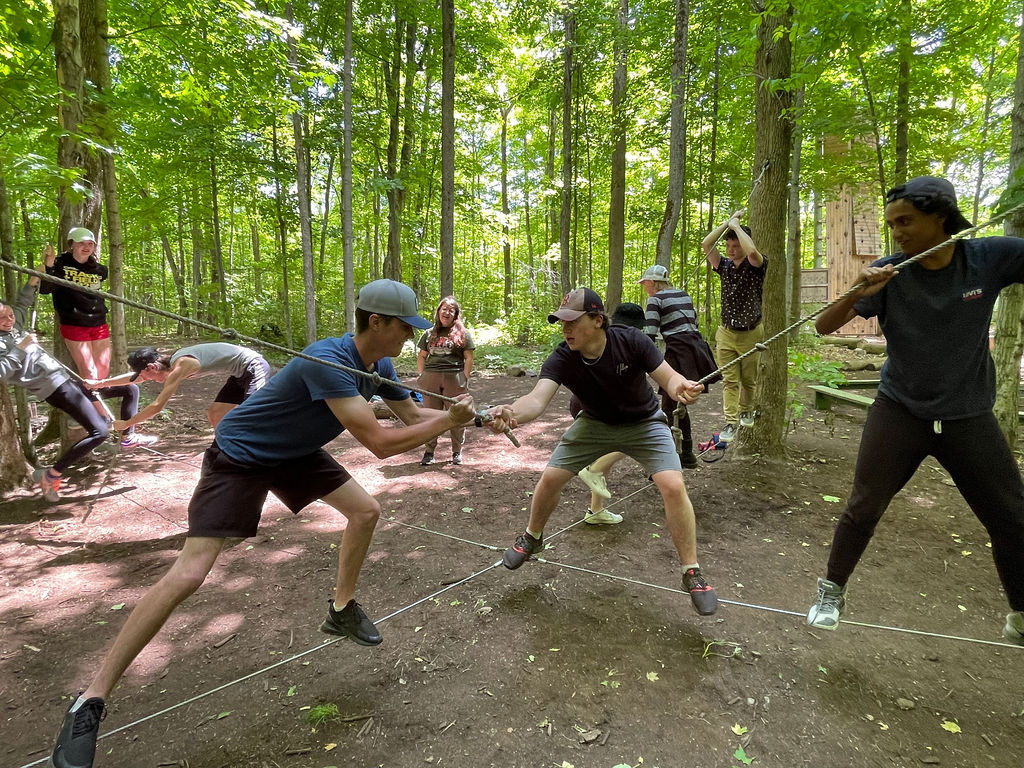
x=78 y=703
x=535 y=535
x=694 y=566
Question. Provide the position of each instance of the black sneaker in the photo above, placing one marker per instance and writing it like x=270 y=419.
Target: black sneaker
x=703 y=596
x=350 y=622
x=520 y=552
x=76 y=742
x=427 y=460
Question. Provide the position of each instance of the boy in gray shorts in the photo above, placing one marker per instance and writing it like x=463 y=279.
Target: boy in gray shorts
x=606 y=368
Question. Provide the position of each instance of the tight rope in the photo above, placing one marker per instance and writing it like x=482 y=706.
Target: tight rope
x=482 y=417
x=763 y=345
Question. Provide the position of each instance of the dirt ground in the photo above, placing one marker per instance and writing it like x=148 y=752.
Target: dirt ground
x=549 y=665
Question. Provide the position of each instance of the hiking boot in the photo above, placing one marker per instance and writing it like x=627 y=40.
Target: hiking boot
x=49 y=483
x=1014 y=629
x=456 y=458
x=702 y=595
x=135 y=440
x=76 y=741
x=428 y=459
x=686 y=456
x=602 y=517
x=747 y=419
x=595 y=482
x=350 y=622
x=727 y=434
x=824 y=614
x=520 y=552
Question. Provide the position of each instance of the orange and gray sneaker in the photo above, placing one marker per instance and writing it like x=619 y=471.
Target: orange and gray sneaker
x=49 y=483
x=702 y=595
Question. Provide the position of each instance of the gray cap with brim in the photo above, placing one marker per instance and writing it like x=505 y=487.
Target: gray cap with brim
x=394 y=299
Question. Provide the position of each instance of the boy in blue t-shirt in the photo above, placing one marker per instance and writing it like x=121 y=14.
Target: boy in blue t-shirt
x=937 y=387
x=274 y=442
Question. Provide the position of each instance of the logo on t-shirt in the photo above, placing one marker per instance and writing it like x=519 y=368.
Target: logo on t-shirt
x=621 y=368
x=971 y=295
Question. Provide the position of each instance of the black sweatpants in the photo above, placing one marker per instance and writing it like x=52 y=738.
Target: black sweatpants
x=975 y=454
x=71 y=398
x=129 y=395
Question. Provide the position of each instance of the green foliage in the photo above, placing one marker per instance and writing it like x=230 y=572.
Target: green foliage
x=321 y=713
x=808 y=366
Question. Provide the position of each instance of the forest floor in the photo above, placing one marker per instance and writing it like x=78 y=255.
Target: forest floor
x=549 y=665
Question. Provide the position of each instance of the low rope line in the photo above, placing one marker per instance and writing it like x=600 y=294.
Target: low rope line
x=481 y=416
x=762 y=345
x=779 y=610
x=726 y=601
x=271 y=667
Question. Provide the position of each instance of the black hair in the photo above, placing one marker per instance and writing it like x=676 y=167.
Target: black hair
x=730 y=234
x=363 y=319
x=943 y=205
x=629 y=314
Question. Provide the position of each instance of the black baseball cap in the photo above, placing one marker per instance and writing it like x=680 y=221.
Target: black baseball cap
x=140 y=358
x=577 y=303
x=937 y=189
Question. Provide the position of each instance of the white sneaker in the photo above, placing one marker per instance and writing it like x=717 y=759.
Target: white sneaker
x=604 y=517
x=727 y=434
x=1014 y=629
x=824 y=614
x=135 y=440
x=747 y=419
x=595 y=481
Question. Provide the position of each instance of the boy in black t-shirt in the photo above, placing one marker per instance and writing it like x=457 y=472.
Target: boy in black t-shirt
x=606 y=369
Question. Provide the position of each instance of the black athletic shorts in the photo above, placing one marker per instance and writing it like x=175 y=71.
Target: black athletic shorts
x=237 y=388
x=228 y=501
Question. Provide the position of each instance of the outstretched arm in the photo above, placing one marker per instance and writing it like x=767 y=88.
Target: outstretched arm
x=359 y=419
x=842 y=312
x=183 y=368
x=525 y=409
x=679 y=388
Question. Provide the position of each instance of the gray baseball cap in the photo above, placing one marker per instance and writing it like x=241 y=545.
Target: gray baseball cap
x=394 y=299
x=657 y=273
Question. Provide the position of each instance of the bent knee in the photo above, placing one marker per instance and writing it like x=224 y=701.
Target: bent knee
x=366 y=514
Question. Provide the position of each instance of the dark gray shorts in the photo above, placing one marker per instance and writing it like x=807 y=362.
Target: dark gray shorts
x=229 y=498
x=648 y=441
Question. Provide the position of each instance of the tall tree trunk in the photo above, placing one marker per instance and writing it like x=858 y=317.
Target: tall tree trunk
x=217 y=262
x=10 y=281
x=983 y=152
x=819 y=217
x=772 y=144
x=553 y=201
x=1009 y=331
x=282 y=228
x=346 y=177
x=793 y=250
x=325 y=219
x=506 y=239
x=906 y=50
x=566 y=211
x=302 y=184
x=617 y=201
x=712 y=186
x=677 y=138
x=447 y=268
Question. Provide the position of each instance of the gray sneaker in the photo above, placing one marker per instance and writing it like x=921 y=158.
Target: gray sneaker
x=727 y=434
x=747 y=419
x=1014 y=629
x=825 y=613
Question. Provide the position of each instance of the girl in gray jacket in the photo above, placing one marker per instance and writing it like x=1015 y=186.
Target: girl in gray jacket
x=25 y=363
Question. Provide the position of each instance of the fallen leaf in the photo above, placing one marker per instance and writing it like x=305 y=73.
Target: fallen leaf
x=951 y=727
x=652 y=676
x=739 y=730
x=741 y=755
x=832 y=499
x=329 y=747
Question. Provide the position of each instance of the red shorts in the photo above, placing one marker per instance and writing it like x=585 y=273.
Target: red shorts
x=85 y=333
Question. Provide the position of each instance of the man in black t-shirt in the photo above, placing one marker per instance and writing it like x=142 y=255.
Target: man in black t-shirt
x=606 y=369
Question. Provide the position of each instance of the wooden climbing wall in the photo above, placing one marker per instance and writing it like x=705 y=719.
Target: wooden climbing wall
x=853 y=240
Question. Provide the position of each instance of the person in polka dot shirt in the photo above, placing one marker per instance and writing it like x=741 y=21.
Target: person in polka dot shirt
x=742 y=273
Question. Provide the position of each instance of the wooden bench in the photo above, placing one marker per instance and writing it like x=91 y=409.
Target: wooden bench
x=824 y=397
x=858 y=384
